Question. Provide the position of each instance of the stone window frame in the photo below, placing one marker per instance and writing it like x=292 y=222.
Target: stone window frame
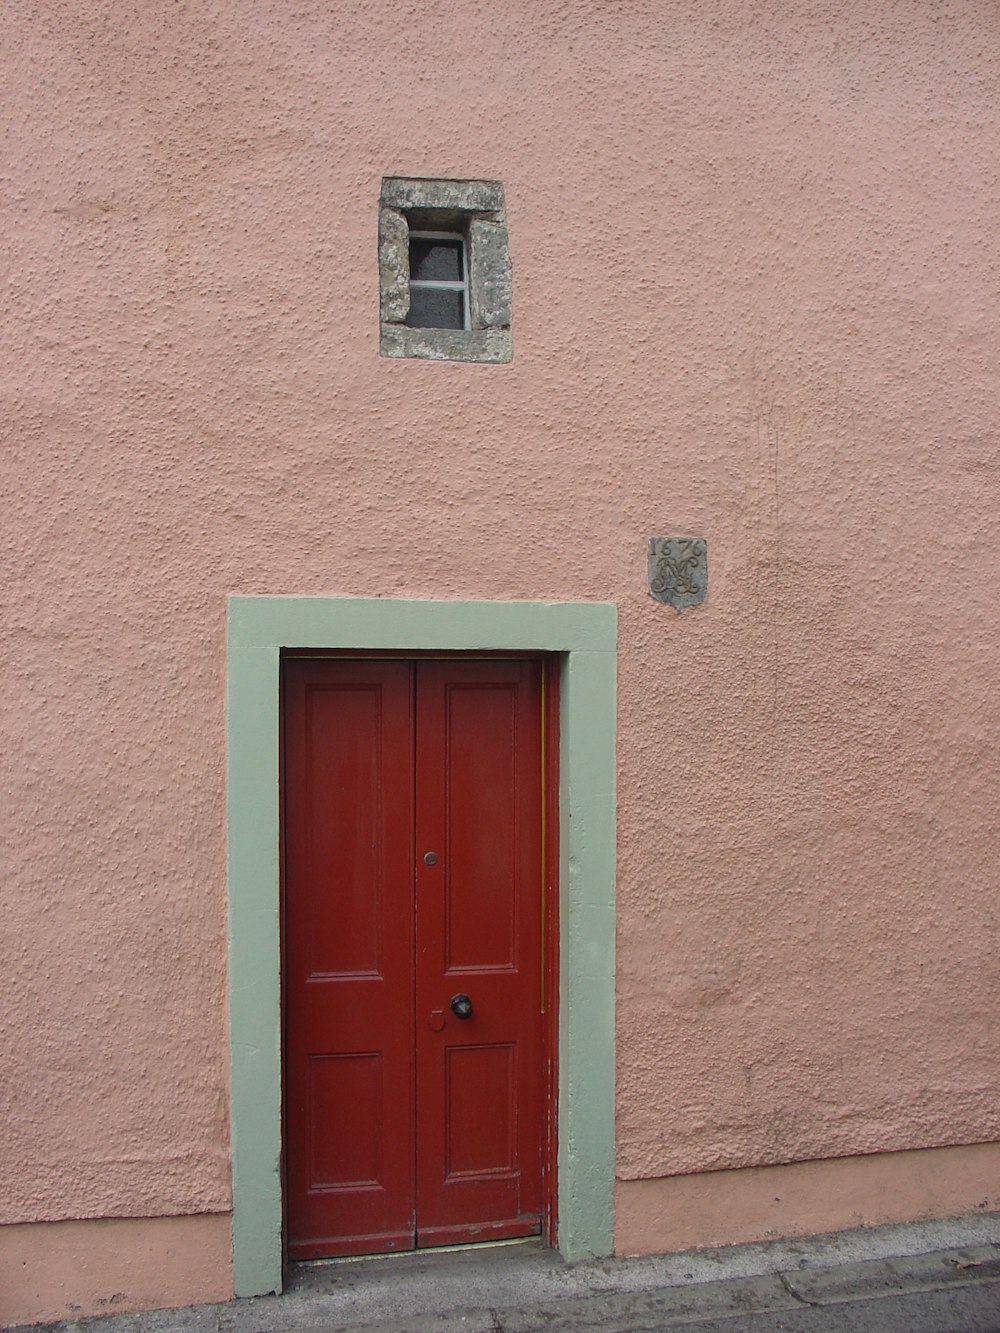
x=476 y=210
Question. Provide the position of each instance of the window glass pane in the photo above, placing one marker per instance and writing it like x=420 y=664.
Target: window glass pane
x=439 y=261
x=436 y=308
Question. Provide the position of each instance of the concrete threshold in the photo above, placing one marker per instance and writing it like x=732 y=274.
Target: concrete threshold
x=925 y=1276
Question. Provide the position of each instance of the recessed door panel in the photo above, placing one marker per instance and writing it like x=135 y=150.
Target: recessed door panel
x=474 y=1145
x=479 y=762
x=345 y=779
x=414 y=1062
x=346 y=1161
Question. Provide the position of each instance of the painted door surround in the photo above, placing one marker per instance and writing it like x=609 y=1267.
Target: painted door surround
x=584 y=634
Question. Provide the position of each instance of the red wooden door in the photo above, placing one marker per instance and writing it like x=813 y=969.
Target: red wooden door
x=413 y=871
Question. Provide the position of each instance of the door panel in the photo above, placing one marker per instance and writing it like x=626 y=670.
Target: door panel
x=348 y=957
x=406 y=1124
x=478 y=933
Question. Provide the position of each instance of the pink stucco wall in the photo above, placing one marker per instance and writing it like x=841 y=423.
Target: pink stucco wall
x=808 y=1198
x=68 y=1270
x=757 y=293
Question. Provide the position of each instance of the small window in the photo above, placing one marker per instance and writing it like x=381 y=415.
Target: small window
x=444 y=270
x=439 y=297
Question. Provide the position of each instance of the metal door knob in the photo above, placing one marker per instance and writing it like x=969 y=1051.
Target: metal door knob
x=461 y=1006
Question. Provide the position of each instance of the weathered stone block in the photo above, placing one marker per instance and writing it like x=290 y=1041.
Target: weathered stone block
x=394 y=265
x=489 y=276
x=446 y=344
x=465 y=196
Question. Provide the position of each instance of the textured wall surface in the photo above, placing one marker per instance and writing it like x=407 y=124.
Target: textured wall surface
x=756 y=298
x=711 y=1208
x=68 y=1270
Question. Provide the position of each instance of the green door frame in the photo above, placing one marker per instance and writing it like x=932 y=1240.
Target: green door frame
x=585 y=634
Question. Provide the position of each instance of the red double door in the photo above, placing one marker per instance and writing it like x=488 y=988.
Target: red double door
x=415 y=1067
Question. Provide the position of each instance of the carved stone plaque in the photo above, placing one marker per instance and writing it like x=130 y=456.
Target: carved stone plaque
x=678 y=570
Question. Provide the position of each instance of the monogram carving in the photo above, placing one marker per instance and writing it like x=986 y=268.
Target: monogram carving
x=678 y=570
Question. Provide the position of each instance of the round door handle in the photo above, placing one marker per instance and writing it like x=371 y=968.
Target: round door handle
x=461 y=1006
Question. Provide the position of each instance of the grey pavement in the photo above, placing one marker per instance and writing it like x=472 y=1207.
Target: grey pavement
x=941 y=1277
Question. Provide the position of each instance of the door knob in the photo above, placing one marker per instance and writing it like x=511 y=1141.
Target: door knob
x=461 y=1006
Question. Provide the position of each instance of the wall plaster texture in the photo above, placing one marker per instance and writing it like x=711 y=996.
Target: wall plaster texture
x=757 y=292
x=69 y=1270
